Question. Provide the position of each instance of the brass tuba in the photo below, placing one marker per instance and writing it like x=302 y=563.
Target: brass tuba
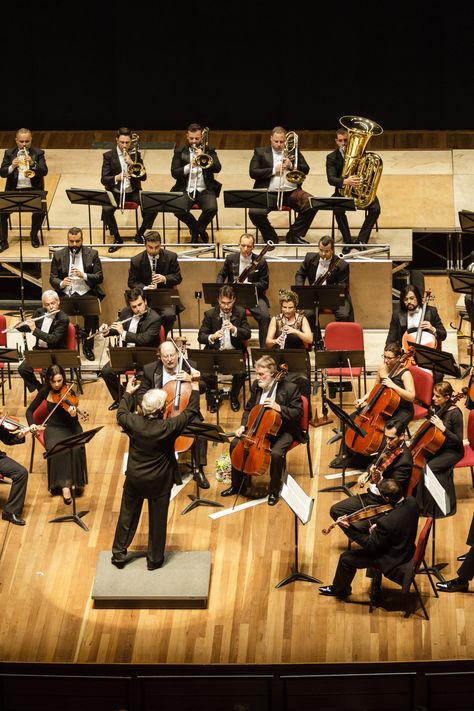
x=204 y=160
x=136 y=169
x=366 y=165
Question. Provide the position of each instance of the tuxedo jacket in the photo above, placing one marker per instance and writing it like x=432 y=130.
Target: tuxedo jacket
x=392 y=543
x=57 y=335
x=139 y=274
x=39 y=166
x=334 y=166
x=181 y=158
x=259 y=277
x=152 y=377
x=111 y=167
x=309 y=268
x=152 y=465
x=261 y=166
x=60 y=264
x=9 y=439
x=148 y=331
x=212 y=322
x=398 y=324
x=400 y=469
x=289 y=398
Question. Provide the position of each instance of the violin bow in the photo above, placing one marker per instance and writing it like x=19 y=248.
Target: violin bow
x=57 y=404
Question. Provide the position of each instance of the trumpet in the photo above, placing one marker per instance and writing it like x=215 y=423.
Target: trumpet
x=24 y=166
x=293 y=176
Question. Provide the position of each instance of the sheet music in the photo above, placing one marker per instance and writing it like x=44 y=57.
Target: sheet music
x=436 y=490
x=300 y=503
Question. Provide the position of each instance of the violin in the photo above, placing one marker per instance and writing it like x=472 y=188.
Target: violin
x=420 y=336
x=67 y=398
x=13 y=425
x=178 y=392
x=252 y=453
x=428 y=440
x=391 y=451
x=361 y=515
x=381 y=404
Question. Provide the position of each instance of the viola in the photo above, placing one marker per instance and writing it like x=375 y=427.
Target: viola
x=178 y=392
x=361 y=515
x=13 y=425
x=428 y=440
x=252 y=453
x=66 y=398
x=380 y=406
x=420 y=336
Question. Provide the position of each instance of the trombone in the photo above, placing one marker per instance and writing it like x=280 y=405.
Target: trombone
x=203 y=160
x=293 y=176
x=136 y=169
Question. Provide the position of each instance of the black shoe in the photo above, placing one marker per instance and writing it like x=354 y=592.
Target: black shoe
x=88 y=352
x=212 y=407
x=273 y=499
x=35 y=242
x=339 y=462
x=233 y=491
x=329 y=590
x=13 y=518
x=116 y=245
x=289 y=240
x=201 y=479
x=113 y=406
x=139 y=239
x=462 y=557
x=234 y=404
x=300 y=240
x=4 y=246
x=151 y=565
x=346 y=250
x=204 y=236
x=455 y=585
x=118 y=562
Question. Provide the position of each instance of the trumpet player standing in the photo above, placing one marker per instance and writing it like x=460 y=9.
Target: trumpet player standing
x=24 y=168
x=119 y=166
x=193 y=167
x=271 y=167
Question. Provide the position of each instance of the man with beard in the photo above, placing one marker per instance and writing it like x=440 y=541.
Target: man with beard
x=406 y=318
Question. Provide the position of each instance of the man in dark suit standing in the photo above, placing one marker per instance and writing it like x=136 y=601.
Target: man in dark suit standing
x=466 y=569
x=151 y=469
x=268 y=168
x=76 y=271
x=286 y=400
x=24 y=168
x=236 y=263
x=406 y=318
x=389 y=545
x=116 y=177
x=49 y=329
x=162 y=371
x=156 y=268
x=137 y=325
x=223 y=328
x=194 y=175
x=334 y=166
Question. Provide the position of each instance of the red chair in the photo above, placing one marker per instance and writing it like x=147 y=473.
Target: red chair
x=195 y=206
x=3 y=344
x=345 y=336
x=411 y=570
x=39 y=416
x=423 y=391
x=128 y=205
x=304 y=424
x=468 y=459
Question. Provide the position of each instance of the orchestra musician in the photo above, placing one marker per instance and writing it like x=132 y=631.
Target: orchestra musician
x=49 y=329
x=406 y=317
x=24 y=168
x=116 y=178
x=316 y=266
x=164 y=370
x=137 y=325
x=16 y=472
x=151 y=468
x=234 y=265
x=224 y=327
x=287 y=402
x=465 y=571
x=450 y=452
x=156 y=268
x=62 y=423
x=193 y=167
x=395 y=462
x=389 y=545
x=76 y=271
x=268 y=168
x=334 y=169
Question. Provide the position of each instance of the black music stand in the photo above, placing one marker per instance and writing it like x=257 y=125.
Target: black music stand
x=462 y=282
x=215 y=362
x=297 y=359
x=22 y=201
x=123 y=359
x=162 y=297
x=245 y=294
x=86 y=305
x=44 y=357
x=8 y=355
x=317 y=298
x=333 y=203
x=100 y=198
x=68 y=445
x=432 y=359
x=247 y=199
x=175 y=202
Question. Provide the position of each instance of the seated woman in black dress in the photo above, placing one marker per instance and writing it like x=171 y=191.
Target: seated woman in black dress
x=62 y=424
x=290 y=329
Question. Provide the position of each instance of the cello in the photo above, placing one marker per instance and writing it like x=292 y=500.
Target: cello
x=381 y=404
x=425 y=338
x=252 y=453
x=178 y=392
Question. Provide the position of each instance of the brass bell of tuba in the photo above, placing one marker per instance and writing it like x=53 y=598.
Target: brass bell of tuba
x=204 y=160
x=366 y=165
x=136 y=169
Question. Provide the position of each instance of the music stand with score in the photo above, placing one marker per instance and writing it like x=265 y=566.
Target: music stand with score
x=319 y=298
x=245 y=294
x=99 y=198
x=86 y=305
x=463 y=283
x=247 y=199
x=432 y=359
x=161 y=298
x=123 y=360
x=42 y=358
x=154 y=202
x=22 y=201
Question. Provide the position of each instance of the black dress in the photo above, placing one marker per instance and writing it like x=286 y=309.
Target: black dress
x=60 y=426
x=442 y=463
x=405 y=410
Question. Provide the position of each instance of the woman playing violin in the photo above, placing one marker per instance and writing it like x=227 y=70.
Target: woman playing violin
x=451 y=451
x=63 y=423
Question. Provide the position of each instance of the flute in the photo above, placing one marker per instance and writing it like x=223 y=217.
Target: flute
x=36 y=318
x=96 y=333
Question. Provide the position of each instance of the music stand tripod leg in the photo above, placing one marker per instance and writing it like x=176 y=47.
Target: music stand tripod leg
x=296 y=574
x=76 y=517
x=195 y=498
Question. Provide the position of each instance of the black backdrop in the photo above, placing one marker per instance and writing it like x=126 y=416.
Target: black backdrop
x=237 y=65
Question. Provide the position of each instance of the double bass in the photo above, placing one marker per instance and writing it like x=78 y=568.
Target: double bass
x=252 y=453
x=380 y=406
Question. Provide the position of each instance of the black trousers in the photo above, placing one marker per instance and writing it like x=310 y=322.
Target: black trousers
x=277 y=463
x=108 y=215
x=112 y=380
x=262 y=316
x=209 y=380
x=373 y=213
x=19 y=476
x=207 y=201
x=129 y=516
x=298 y=201
x=36 y=222
x=353 y=560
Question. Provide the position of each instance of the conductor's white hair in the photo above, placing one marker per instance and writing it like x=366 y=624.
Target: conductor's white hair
x=153 y=401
